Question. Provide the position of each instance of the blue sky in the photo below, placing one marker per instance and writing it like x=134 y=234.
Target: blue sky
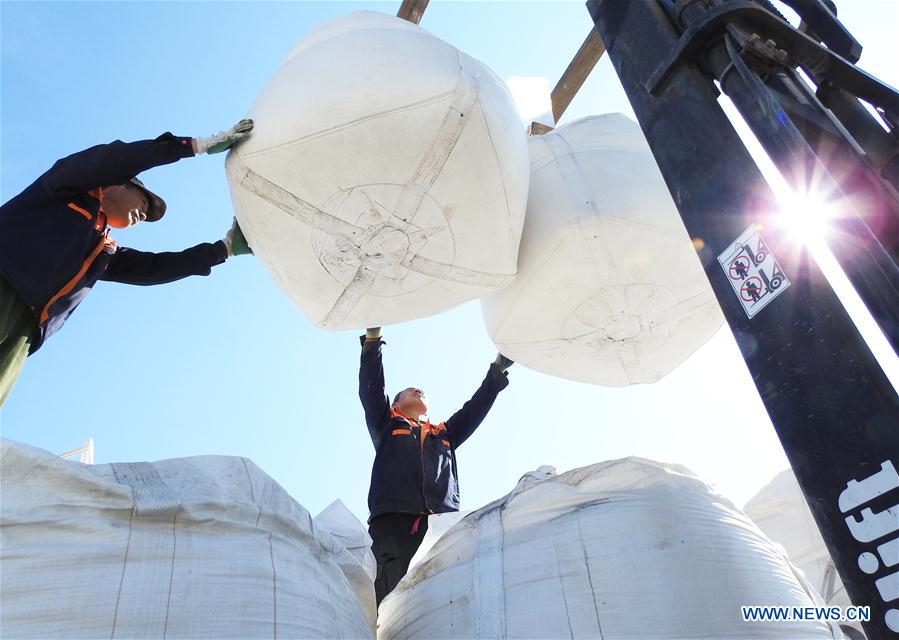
x=226 y=364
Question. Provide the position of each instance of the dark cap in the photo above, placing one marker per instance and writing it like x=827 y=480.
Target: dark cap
x=156 y=204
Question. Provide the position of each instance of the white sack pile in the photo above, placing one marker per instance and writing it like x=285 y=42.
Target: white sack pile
x=201 y=547
x=627 y=549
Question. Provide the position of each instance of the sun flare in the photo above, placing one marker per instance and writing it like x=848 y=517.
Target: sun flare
x=808 y=217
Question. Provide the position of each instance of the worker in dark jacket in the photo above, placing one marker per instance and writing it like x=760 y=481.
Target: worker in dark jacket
x=55 y=244
x=414 y=473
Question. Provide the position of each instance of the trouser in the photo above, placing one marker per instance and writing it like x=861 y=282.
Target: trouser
x=394 y=540
x=17 y=325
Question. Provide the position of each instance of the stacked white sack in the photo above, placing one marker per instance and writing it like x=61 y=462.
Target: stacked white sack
x=352 y=535
x=440 y=523
x=203 y=547
x=609 y=289
x=386 y=178
x=623 y=549
x=780 y=510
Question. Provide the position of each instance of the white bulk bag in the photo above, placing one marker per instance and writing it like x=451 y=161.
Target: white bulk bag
x=780 y=510
x=203 y=547
x=386 y=177
x=359 y=565
x=627 y=549
x=609 y=289
x=440 y=523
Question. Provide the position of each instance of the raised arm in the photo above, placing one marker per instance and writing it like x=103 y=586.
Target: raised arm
x=114 y=163
x=463 y=423
x=131 y=266
x=371 y=385
x=118 y=162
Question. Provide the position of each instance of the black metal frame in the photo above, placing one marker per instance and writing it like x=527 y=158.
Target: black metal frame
x=713 y=35
x=834 y=410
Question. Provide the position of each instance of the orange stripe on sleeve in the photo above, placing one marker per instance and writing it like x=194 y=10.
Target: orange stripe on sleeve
x=401 y=432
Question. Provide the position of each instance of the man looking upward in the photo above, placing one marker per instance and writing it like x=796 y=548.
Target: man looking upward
x=414 y=473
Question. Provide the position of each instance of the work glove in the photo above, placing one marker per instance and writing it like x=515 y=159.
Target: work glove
x=236 y=242
x=374 y=333
x=503 y=362
x=224 y=140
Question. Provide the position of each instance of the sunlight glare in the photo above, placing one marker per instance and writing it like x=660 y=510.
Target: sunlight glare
x=807 y=216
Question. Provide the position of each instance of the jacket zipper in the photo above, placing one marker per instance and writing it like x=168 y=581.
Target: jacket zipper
x=45 y=312
x=421 y=457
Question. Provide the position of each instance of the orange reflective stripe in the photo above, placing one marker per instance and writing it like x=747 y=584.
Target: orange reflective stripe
x=86 y=214
x=71 y=283
x=401 y=432
x=440 y=428
x=97 y=193
x=446 y=442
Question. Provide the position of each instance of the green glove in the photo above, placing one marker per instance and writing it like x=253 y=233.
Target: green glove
x=224 y=140
x=236 y=242
x=503 y=362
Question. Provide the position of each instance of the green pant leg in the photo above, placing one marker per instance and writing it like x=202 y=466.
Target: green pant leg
x=17 y=325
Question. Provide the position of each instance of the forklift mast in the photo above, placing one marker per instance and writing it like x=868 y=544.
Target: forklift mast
x=835 y=412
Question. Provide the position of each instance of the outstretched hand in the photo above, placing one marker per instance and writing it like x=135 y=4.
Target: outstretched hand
x=236 y=242
x=224 y=140
x=373 y=333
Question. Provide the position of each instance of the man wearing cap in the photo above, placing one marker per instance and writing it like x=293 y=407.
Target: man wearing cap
x=55 y=244
x=414 y=473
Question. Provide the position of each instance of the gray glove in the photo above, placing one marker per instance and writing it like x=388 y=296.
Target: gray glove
x=224 y=140
x=503 y=362
x=236 y=242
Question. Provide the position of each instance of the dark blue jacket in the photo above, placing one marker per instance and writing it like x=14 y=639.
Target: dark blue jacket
x=54 y=242
x=415 y=463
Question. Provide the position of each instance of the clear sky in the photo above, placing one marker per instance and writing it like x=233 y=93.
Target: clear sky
x=225 y=364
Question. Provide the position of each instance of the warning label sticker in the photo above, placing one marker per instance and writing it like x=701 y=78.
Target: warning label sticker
x=753 y=272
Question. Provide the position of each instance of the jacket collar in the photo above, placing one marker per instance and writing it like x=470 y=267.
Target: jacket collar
x=425 y=425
